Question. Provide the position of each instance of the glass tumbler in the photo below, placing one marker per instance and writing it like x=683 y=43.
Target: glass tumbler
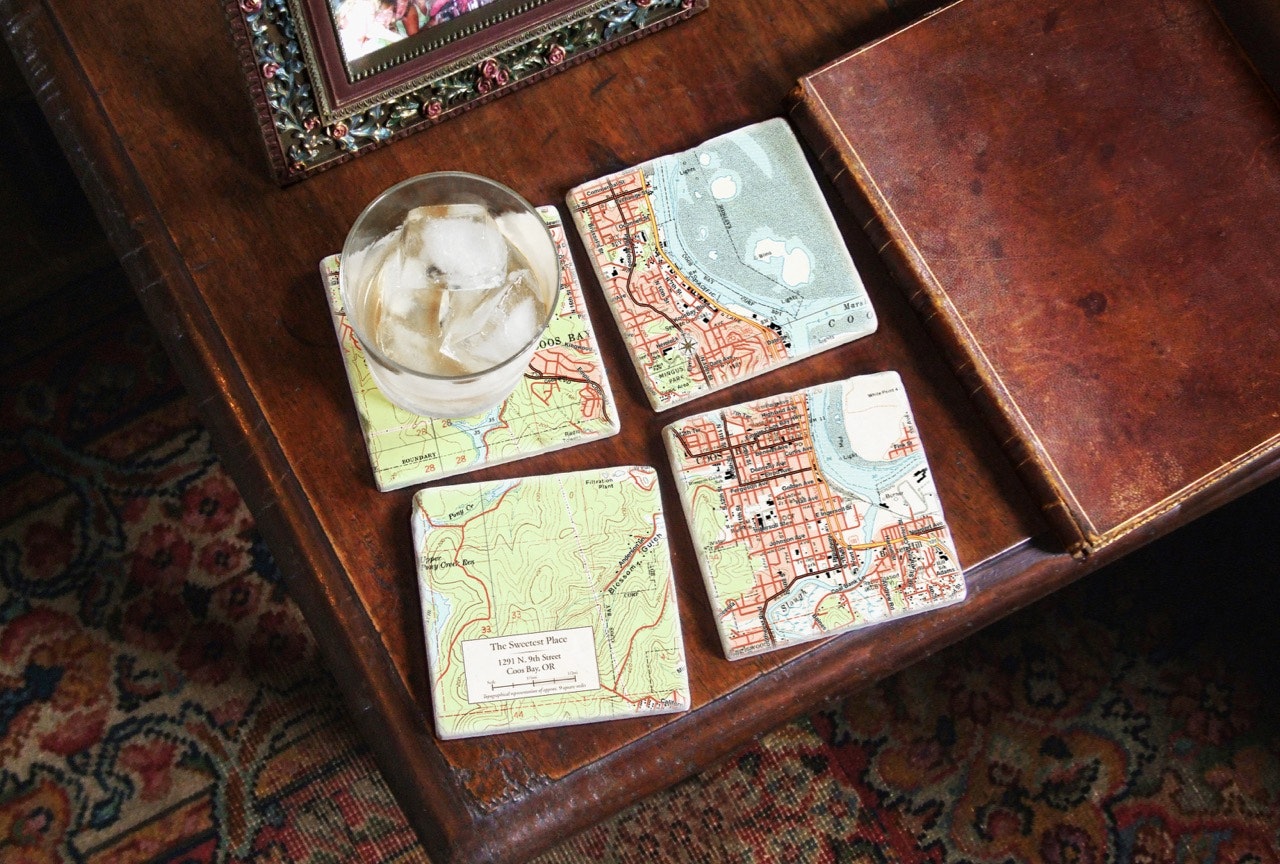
x=449 y=281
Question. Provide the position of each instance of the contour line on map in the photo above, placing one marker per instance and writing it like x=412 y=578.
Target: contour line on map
x=556 y=590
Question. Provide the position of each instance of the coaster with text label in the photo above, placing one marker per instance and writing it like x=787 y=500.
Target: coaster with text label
x=548 y=601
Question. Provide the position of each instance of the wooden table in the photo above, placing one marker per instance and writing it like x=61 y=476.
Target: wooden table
x=149 y=104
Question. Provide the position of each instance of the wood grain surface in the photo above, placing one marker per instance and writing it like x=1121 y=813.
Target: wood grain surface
x=149 y=105
x=1103 y=269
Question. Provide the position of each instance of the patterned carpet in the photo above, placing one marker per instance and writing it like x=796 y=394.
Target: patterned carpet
x=161 y=698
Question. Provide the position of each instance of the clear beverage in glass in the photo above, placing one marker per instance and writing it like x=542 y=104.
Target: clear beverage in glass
x=449 y=281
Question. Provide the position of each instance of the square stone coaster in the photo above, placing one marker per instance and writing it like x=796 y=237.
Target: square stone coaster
x=721 y=263
x=564 y=398
x=548 y=601
x=813 y=513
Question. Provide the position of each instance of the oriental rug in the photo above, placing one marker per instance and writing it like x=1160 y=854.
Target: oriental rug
x=161 y=699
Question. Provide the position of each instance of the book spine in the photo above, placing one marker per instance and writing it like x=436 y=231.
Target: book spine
x=940 y=318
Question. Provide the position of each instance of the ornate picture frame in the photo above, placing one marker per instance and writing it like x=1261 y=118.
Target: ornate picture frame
x=331 y=79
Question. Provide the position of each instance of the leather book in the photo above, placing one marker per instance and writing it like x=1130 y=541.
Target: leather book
x=1083 y=202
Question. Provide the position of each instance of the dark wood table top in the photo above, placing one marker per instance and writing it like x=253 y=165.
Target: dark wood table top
x=150 y=106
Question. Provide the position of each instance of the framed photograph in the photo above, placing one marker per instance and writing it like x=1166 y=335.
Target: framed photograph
x=333 y=78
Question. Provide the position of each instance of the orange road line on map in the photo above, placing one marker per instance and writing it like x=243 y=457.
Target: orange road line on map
x=636 y=193
x=692 y=287
x=919 y=535
x=585 y=382
x=642 y=480
x=806 y=435
x=625 y=698
x=624 y=225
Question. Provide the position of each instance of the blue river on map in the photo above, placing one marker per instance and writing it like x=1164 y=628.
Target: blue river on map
x=843 y=468
x=475 y=428
x=443 y=612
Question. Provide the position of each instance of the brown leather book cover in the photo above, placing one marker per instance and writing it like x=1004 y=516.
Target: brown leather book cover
x=1083 y=200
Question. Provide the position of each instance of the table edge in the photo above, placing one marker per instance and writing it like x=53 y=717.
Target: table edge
x=380 y=705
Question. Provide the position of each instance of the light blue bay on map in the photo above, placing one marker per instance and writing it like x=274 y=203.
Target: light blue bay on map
x=835 y=438
x=721 y=263
x=743 y=217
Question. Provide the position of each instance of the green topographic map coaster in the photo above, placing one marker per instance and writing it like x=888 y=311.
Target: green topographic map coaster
x=548 y=601
x=563 y=400
x=813 y=513
x=721 y=263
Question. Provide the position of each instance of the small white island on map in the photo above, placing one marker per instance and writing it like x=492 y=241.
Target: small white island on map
x=794 y=263
x=548 y=601
x=721 y=263
x=813 y=513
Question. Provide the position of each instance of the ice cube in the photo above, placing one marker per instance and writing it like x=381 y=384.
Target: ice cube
x=527 y=235
x=495 y=330
x=470 y=314
x=403 y=342
x=518 y=326
x=409 y=315
x=401 y=282
x=466 y=246
x=467 y=311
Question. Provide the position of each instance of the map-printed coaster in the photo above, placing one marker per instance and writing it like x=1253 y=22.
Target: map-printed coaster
x=563 y=400
x=813 y=513
x=721 y=263
x=548 y=601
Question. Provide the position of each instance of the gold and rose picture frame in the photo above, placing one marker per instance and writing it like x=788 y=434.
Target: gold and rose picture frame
x=333 y=78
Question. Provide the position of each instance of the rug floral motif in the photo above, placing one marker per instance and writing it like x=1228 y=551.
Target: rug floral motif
x=161 y=698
